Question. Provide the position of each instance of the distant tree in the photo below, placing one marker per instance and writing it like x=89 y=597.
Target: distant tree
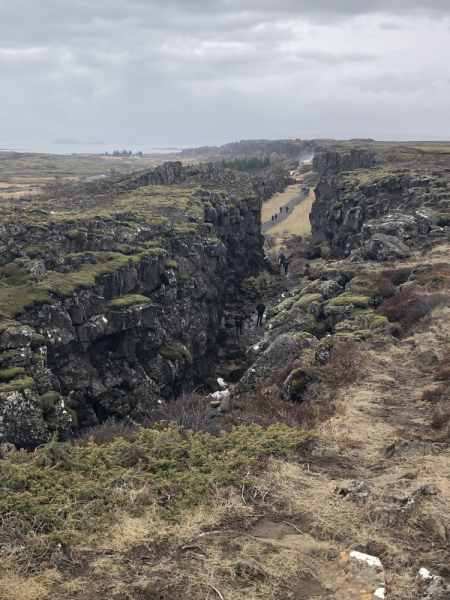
x=249 y=165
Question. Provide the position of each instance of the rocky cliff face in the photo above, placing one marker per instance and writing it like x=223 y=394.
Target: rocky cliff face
x=366 y=207
x=112 y=299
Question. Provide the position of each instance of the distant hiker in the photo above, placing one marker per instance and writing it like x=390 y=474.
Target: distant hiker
x=273 y=218
x=286 y=266
x=276 y=216
x=260 y=310
x=281 y=209
x=281 y=258
x=287 y=208
x=238 y=322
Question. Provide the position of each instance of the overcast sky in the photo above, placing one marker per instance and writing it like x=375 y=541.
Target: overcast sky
x=194 y=72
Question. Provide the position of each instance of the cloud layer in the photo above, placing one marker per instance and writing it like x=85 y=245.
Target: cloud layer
x=209 y=71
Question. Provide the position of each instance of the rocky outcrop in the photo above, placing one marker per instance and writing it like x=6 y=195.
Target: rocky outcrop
x=117 y=311
x=364 y=205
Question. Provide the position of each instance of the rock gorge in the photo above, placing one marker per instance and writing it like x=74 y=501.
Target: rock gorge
x=111 y=300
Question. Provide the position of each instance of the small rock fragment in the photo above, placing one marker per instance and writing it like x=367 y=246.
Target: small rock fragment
x=430 y=489
x=249 y=569
x=428 y=358
x=354 y=488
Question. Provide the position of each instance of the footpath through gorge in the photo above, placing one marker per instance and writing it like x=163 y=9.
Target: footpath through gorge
x=322 y=472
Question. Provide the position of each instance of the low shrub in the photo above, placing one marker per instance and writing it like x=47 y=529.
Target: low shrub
x=441 y=416
x=412 y=304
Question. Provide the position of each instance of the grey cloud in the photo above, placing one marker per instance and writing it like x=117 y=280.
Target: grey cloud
x=206 y=71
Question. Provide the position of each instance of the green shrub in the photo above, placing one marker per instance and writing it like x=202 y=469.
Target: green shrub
x=93 y=482
x=72 y=234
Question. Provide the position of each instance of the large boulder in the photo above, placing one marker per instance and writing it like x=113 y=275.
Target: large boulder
x=382 y=247
x=286 y=348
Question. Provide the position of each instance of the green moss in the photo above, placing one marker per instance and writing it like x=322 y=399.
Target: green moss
x=48 y=401
x=214 y=241
x=73 y=415
x=397 y=329
x=378 y=321
x=337 y=206
x=7 y=374
x=36 y=358
x=18 y=385
x=350 y=298
x=35 y=251
x=353 y=210
x=15 y=274
x=174 y=352
x=306 y=300
x=73 y=234
x=300 y=378
x=125 y=301
x=184 y=228
x=171 y=264
x=8 y=355
x=183 y=277
x=37 y=341
x=124 y=248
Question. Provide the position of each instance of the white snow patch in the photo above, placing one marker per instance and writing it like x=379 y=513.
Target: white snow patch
x=255 y=347
x=370 y=560
x=220 y=395
x=221 y=382
x=426 y=574
x=380 y=593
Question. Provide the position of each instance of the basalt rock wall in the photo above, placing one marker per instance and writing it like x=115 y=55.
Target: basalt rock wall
x=135 y=313
x=370 y=210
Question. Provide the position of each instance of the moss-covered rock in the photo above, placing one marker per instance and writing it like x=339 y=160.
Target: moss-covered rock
x=378 y=321
x=7 y=374
x=350 y=298
x=126 y=301
x=18 y=385
x=306 y=300
x=48 y=401
x=37 y=341
x=174 y=352
x=171 y=264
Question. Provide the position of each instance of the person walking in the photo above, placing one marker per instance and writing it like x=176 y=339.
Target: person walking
x=273 y=218
x=286 y=266
x=260 y=309
x=238 y=323
x=281 y=209
x=287 y=208
x=281 y=258
x=276 y=216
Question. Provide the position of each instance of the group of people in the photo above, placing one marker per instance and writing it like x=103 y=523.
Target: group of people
x=275 y=216
x=240 y=318
x=283 y=262
x=305 y=191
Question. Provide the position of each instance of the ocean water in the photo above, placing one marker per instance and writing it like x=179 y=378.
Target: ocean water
x=81 y=148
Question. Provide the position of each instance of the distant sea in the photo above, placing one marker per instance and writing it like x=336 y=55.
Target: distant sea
x=82 y=148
